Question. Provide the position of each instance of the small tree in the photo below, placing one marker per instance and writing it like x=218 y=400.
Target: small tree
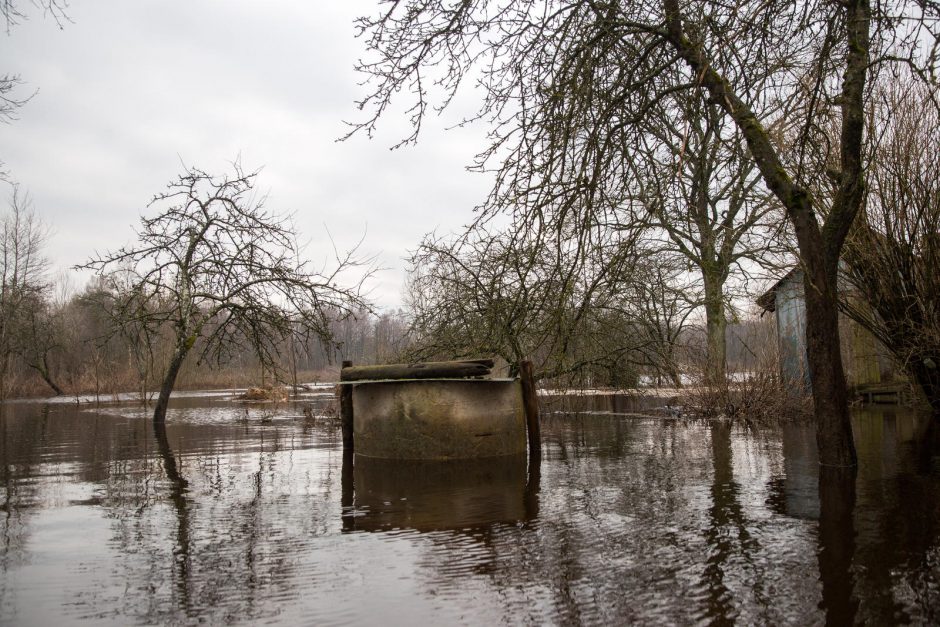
x=217 y=267
x=662 y=304
x=566 y=304
x=39 y=334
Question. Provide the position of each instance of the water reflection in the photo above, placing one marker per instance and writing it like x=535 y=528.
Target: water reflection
x=837 y=543
x=438 y=495
x=178 y=485
x=897 y=517
x=219 y=517
x=878 y=539
x=727 y=534
x=651 y=403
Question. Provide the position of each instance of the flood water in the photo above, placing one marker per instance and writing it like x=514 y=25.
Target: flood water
x=246 y=513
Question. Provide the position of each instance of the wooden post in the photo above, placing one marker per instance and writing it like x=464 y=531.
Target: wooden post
x=533 y=486
x=346 y=412
x=530 y=404
x=347 y=494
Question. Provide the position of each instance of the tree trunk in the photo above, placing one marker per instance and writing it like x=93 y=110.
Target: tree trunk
x=675 y=377
x=43 y=370
x=4 y=370
x=169 y=380
x=715 y=329
x=926 y=373
x=819 y=247
x=824 y=356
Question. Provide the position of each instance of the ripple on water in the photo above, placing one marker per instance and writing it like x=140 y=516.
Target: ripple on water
x=629 y=520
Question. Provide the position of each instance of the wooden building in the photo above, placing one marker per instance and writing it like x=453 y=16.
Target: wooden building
x=870 y=370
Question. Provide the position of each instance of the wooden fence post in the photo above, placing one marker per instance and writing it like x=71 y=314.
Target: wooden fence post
x=530 y=403
x=346 y=412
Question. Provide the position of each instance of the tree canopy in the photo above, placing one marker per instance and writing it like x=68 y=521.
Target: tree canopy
x=215 y=265
x=567 y=88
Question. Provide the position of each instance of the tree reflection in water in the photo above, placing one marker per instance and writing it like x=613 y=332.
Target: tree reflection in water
x=627 y=519
x=837 y=543
x=727 y=534
x=178 y=488
x=897 y=518
x=20 y=442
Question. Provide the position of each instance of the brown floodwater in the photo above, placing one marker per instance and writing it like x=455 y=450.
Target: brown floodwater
x=249 y=513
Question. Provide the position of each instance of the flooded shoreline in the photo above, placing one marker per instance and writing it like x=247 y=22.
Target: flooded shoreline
x=232 y=518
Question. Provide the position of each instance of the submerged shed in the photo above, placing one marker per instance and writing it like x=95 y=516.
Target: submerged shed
x=870 y=370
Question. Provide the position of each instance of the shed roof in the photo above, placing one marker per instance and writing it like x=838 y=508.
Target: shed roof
x=768 y=300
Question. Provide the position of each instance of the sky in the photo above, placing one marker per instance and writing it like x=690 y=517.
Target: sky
x=127 y=93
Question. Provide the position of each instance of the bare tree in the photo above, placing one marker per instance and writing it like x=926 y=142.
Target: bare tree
x=92 y=353
x=566 y=84
x=39 y=337
x=567 y=304
x=9 y=101
x=893 y=253
x=661 y=304
x=23 y=283
x=142 y=336
x=696 y=178
x=12 y=13
x=219 y=268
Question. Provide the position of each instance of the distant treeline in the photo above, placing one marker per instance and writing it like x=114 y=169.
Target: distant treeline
x=76 y=344
x=57 y=342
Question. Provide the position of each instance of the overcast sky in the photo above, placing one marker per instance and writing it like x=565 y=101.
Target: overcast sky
x=130 y=90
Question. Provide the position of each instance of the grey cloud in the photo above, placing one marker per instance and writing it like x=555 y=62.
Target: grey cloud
x=130 y=88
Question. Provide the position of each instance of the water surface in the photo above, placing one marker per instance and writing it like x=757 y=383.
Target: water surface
x=249 y=513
